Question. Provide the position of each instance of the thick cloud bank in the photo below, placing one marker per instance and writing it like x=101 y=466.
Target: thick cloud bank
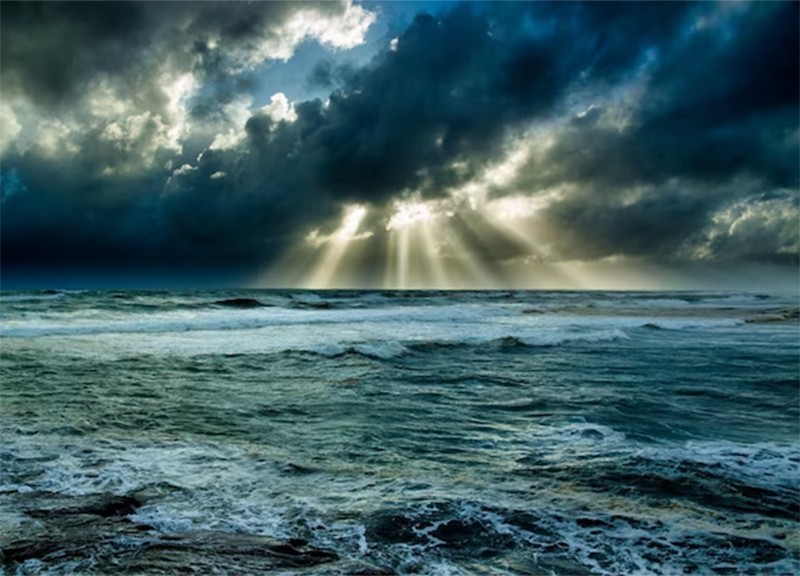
x=142 y=136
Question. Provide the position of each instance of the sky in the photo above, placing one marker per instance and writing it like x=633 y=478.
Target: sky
x=400 y=144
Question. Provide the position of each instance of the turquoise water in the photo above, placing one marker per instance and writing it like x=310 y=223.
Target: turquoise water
x=423 y=432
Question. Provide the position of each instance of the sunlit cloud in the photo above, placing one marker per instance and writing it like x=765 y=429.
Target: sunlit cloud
x=342 y=29
x=514 y=207
x=279 y=108
x=55 y=137
x=345 y=30
x=499 y=177
x=227 y=140
x=178 y=90
x=502 y=173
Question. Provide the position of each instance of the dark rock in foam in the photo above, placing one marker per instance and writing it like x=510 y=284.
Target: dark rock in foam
x=95 y=532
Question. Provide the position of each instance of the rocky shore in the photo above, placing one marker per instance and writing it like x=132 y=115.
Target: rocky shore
x=93 y=535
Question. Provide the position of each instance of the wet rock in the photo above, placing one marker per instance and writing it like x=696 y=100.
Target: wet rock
x=155 y=491
x=560 y=564
x=210 y=544
x=94 y=532
x=592 y=523
x=63 y=538
x=456 y=532
x=354 y=568
x=104 y=506
x=394 y=529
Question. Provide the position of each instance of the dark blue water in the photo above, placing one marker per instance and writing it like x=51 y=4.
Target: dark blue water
x=422 y=432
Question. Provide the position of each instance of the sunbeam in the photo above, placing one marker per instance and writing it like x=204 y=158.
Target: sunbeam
x=334 y=247
x=403 y=227
x=514 y=217
x=417 y=233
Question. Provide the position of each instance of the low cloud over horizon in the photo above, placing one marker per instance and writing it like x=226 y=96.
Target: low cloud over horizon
x=400 y=144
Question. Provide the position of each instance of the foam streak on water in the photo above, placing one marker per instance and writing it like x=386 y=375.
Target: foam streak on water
x=421 y=432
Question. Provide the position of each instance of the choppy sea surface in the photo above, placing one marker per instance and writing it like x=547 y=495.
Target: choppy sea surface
x=415 y=432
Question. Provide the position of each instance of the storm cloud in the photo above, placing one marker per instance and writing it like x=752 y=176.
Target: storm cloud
x=141 y=136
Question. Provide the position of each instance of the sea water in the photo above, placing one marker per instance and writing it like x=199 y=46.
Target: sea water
x=420 y=432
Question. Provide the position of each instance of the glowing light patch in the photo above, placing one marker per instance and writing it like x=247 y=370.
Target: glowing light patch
x=409 y=214
x=351 y=222
x=346 y=232
x=279 y=108
x=513 y=207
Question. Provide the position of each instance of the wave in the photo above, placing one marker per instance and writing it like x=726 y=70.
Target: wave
x=734 y=299
x=257 y=327
x=578 y=541
x=239 y=315
x=32 y=297
x=691 y=324
x=426 y=521
x=240 y=303
x=769 y=465
x=380 y=350
x=383 y=334
x=387 y=349
x=549 y=339
x=646 y=303
x=309 y=301
x=556 y=339
x=765 y=464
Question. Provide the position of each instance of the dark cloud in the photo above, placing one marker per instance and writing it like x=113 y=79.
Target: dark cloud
x=718 y=107
x=322 y=74
x=594 y=224
x=449 y=92
x=53 y=50
x=758 y=230
x=689 y=101
x=50 y=49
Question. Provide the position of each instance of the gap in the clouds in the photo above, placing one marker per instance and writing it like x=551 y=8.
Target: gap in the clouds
x=294 y=77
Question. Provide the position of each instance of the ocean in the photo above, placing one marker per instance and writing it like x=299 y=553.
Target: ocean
x=408 y=432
